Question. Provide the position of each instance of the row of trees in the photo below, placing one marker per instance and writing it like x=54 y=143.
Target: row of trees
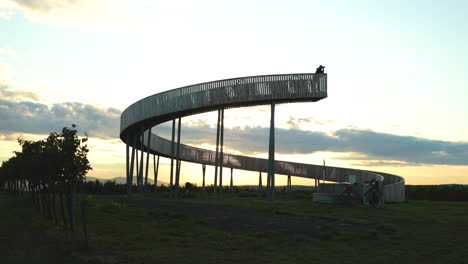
x=46 y=169
x=112 y=187
x=437 y=192
x=413 y=192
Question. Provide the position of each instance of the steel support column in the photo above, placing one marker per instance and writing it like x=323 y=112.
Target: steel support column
x=179 y=165
x=231 y=187
x=221 y=154
x=260 y=185
x=156 y=170
x=127 y=159
x=289 y=183
x=147 y=160
x=172 y=156
x=215 y=188
x=324 y=172
x=271 y=155
x=267 y=187
x=137 y=163
x=140 y=173
x=203 y=183
x=132 y=164
x=178 y=157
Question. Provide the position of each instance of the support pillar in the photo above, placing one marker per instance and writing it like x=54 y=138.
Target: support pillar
x=171 y=182
x=271 y=155
x=203 y=183
x=215 y=186
x=140 y=173
x=289 y=183
x=148 y=142
x=324 y=172
x=127 y=159
x=137 y=163
x=260 y=186
x=267 y=188
x=132 y=164
x=221 y=154
x=179 y=164
x=156 y=170
x=231 y=185
x=178 y=157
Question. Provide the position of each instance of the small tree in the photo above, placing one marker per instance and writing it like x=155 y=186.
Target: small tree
x=75 y=164
x=32 y=167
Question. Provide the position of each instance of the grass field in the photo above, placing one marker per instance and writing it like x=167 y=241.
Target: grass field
x=156 y=229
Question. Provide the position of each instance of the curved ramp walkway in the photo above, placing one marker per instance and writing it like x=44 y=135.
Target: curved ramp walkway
x=138 y=119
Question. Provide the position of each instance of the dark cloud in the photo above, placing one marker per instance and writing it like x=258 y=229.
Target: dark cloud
x=37 y=118
x=404 y=148
x=252 y=140
x=367 y=145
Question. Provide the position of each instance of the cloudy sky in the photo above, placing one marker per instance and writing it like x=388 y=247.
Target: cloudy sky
x=396 y=77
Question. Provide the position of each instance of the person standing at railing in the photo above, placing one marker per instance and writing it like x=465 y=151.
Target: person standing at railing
x=316 y=81
x=320 y=70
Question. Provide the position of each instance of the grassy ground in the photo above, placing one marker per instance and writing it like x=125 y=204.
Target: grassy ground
x=154 y=228
x=26 y=237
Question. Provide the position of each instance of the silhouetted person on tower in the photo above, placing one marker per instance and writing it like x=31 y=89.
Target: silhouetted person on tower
x=316 y=80
x=320 y=69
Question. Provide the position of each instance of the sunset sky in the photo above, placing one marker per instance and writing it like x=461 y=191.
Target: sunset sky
x=397 y=78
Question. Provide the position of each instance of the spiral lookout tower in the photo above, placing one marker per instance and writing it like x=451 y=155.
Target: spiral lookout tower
x=139 y=118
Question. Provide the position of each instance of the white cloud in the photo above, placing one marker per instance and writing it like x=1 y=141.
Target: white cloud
x=8 y=52
x=8 y=137
x=5 y=68
x=115 y=16
x=6 y=14
x=44 y=5
x=15 y=95
x=90 y=14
